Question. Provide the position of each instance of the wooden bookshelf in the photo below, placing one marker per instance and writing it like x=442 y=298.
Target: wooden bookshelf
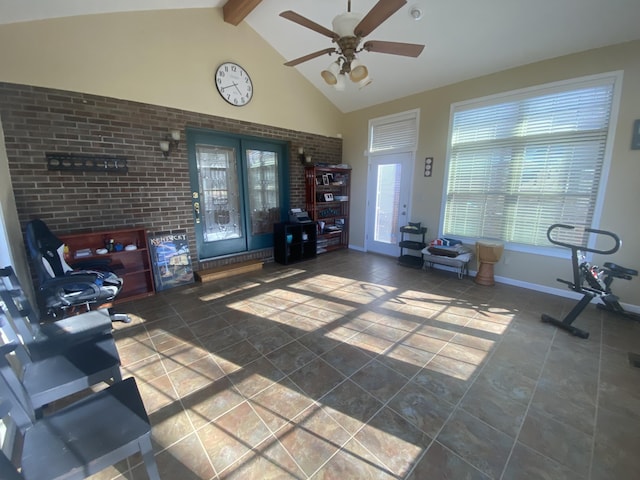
x=132 y=265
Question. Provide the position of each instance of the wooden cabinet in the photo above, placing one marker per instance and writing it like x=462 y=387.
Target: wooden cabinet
x=128 y=253
x=327 y=202
x=294 y=242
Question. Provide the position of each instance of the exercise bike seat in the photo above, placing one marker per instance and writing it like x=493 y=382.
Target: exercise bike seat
x=618 y=270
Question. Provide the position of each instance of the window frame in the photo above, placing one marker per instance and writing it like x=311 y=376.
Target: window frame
x=614 y=77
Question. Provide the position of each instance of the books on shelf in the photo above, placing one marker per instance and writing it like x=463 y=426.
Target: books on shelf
x=84 y=252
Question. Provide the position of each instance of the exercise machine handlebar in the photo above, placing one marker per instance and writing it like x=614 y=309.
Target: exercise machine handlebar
x=598 y=281
x=584 y=248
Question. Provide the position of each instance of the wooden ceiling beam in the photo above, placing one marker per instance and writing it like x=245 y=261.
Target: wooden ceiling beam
x=236 y=10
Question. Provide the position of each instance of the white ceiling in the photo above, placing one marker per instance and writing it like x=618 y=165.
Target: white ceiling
x=464 y=38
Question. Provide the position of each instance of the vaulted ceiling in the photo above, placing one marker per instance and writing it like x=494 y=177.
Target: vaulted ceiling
x=464 y=38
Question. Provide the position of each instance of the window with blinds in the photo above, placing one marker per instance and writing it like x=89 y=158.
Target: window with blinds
x=394 y=132
x=520 y=163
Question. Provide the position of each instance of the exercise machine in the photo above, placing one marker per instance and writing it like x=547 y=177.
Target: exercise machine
x=591 y=281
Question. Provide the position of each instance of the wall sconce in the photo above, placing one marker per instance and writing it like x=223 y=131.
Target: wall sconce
x=304 y=158
x=170 y=142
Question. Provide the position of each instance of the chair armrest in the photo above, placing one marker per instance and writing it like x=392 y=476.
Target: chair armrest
x=84 y=284
x=8 y=348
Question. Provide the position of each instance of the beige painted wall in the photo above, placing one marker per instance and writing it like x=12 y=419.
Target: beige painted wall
x=623 y=192
x=164 y=58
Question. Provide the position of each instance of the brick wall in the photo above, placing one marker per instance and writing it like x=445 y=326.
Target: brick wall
x=154 y=193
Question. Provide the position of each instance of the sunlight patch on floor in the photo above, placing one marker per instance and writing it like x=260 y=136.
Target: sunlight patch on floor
x=452 y=367
x=229 y=291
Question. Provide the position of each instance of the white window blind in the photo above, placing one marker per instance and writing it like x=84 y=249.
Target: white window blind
x=394 y=132
x=519 y=165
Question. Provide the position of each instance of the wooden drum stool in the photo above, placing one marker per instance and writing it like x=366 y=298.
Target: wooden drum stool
x=489 y=253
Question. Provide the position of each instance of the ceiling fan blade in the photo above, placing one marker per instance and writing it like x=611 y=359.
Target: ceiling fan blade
x=305 y=22
x=319 y=53
x=394 y=48
x=378 y=14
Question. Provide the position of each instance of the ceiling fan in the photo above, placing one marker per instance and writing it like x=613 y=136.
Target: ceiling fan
x=348 y=31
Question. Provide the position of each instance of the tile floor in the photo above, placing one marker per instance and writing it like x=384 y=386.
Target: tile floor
x=353 y=367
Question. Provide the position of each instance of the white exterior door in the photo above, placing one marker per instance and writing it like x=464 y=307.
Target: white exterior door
x=388 y=194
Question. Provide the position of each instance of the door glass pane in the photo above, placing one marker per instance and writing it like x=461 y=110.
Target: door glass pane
x=264 y=194
x=219 y=195
x=387 y=203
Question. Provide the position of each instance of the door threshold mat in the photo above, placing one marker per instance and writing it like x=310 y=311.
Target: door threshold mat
x=225 y=271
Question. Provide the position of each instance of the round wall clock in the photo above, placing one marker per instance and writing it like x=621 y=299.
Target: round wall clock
x=234 y=84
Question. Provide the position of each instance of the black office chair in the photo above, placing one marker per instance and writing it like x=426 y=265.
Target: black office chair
x=63 y=288
x=41 y=336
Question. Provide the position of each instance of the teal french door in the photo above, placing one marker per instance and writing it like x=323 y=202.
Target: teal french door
x=239 y=189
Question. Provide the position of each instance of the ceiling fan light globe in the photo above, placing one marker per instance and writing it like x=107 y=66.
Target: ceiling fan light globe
x=345 y=23
x=330 y=75
x=364 y=82
x=340 y=83
x=358 y=71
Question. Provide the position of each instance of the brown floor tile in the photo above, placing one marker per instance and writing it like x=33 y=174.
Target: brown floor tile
x=479 y=444
x=562 y=443
x=280 y=403
x=394 y=441
x=291 y=357
x=181 y=356
x=527 y=464
x=346 y=359
x=350 y=405
x=440 y=462
x=268 y=461
x=255 y=377
x=136 y=351
x=421 y=408
x=405 y=360
x=167 y=340
x=232 y=436
x=210 y=402
x=616 y=429
x=446 y=377
x=350 y=366
x=157 y=393
x=146 y=369
x=619 y=382
x=379 y=380
x=195 y=376
x=312 y=438
x=316 y=378
x=353 y=461
x=185 y=460
x=170 y=425
x=204 y=327
x=318 y=342
x=237 y=356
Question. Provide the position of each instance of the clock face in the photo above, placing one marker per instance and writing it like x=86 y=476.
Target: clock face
x=234 y=84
